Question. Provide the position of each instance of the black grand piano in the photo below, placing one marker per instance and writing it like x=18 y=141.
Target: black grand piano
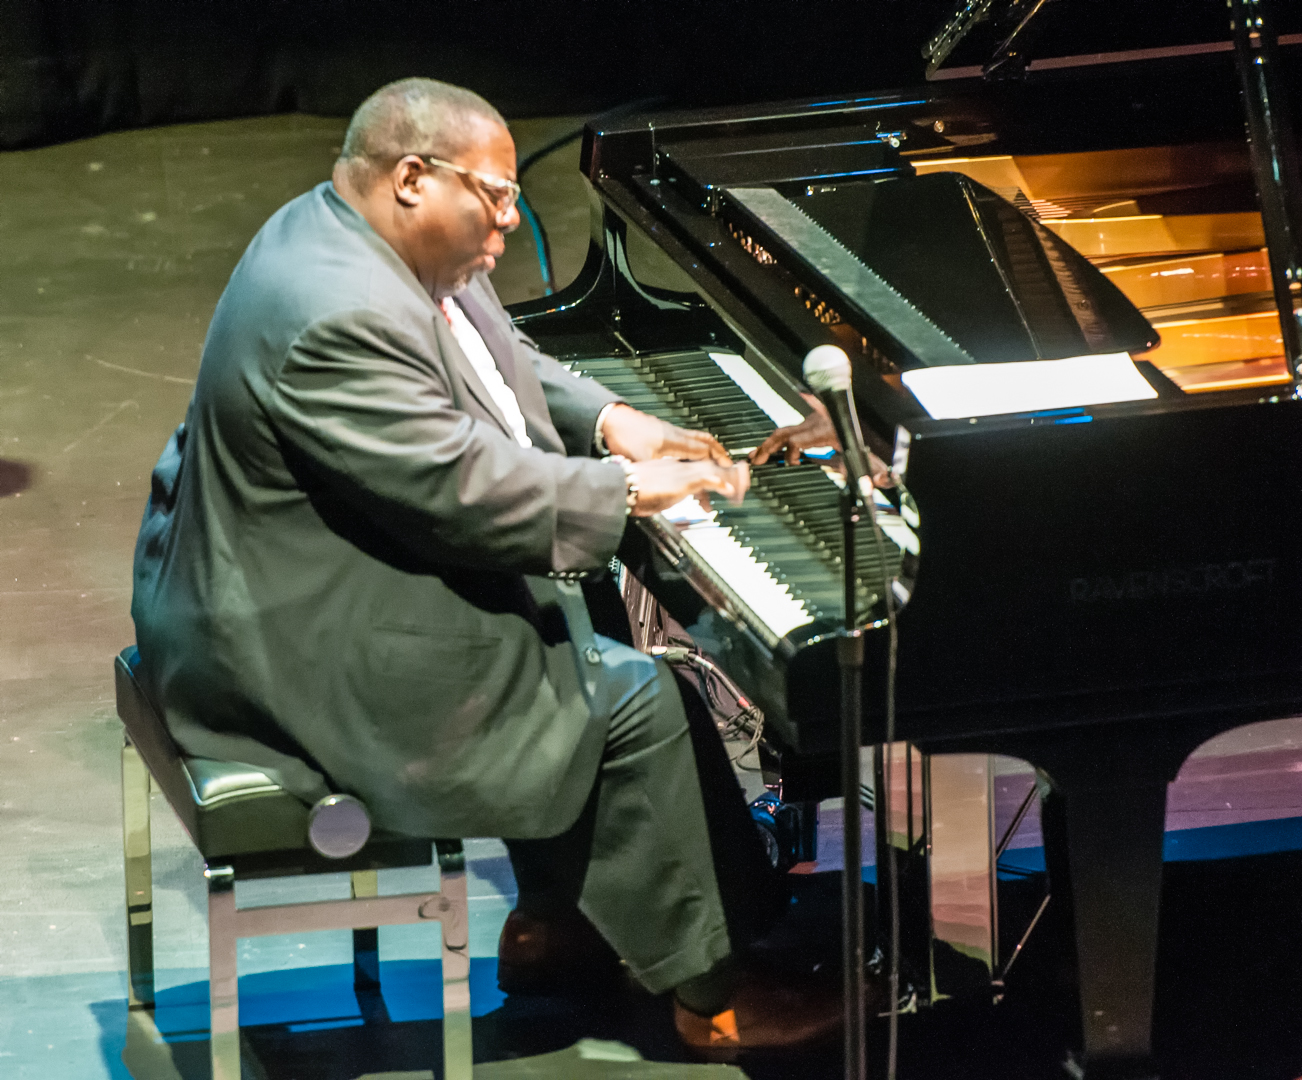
x=1096 y=587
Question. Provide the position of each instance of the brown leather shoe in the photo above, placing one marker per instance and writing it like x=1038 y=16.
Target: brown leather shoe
x=561 y=955
x=764 y=1014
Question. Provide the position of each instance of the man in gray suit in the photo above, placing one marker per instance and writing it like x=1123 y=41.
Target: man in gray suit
x=360 y=557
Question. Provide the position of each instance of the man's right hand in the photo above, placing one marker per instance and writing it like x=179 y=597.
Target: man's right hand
x=663 y=482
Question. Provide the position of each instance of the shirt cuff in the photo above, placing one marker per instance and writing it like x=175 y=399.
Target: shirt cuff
x=599 y=440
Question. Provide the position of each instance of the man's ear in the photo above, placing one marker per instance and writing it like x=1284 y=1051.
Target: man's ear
x=406 y=180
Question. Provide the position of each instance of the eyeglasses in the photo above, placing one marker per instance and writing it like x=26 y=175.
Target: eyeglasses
x=502 y=191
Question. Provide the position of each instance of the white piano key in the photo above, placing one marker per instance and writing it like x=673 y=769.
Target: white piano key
x=779 y=410
x=770 y=601
x=688 y=511
x=894 y=524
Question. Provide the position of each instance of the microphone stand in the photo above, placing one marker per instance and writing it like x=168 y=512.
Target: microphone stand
x=827 y=369
x=849 y=654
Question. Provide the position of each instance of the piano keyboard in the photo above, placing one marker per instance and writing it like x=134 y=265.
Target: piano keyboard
x=778 y=554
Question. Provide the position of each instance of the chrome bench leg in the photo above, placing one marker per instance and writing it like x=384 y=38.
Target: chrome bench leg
x=136 y=850
x=454 y=925
x=223 y=979
x=366 y=941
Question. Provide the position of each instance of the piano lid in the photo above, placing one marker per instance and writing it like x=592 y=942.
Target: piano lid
x=850 y=244
x=957 y=273
x=817 y=156
x=1011 y=39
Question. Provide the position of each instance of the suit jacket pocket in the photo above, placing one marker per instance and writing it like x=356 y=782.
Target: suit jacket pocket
x=435 y=694
x=440 y=696
x=429 y=659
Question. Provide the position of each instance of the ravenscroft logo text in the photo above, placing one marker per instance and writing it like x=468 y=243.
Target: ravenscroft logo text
x=1175 y=581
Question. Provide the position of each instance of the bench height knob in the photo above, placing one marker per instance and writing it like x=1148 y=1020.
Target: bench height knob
x=338 y=826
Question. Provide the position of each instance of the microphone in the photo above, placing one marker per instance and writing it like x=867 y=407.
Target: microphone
x=827 y=372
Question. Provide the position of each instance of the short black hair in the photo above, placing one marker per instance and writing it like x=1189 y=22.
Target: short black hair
x=411 y=116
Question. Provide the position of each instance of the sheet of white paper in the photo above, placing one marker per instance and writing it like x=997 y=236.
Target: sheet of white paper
x=1028 y=386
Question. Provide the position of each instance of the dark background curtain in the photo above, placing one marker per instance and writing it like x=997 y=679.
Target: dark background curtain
x=72 y=68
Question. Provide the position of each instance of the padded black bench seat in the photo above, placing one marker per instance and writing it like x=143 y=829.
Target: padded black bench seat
x=246 y=826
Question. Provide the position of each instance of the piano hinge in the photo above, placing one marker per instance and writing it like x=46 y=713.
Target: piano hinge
x=752 y=247
x=820 y=309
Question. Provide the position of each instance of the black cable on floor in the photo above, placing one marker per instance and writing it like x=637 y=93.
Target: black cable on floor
x=542 y=245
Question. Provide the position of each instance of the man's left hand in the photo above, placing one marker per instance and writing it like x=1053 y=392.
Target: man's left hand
x=815 y=430
x=640 y=437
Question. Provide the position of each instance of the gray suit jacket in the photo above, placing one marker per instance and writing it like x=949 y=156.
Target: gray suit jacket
x=339 y=570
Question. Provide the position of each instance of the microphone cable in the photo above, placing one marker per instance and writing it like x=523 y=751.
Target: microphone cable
x=892 y=869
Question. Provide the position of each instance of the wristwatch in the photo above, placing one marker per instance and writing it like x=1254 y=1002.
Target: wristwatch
x=630 y=478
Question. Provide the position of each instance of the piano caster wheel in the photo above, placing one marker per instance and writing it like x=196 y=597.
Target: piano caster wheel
x=771 y=847
x=788 y=838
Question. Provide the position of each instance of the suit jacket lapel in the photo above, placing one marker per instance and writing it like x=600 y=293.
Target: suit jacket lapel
x=494 y=326
x=484 y=314
x=490 y=329
x=455 y=359
x=458 y=361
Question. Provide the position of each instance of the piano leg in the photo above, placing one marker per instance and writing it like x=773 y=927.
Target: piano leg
x=1111 y=828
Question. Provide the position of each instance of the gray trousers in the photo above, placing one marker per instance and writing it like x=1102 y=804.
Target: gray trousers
x=638 y=860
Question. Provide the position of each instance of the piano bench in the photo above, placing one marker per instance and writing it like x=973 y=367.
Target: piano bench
x=246 y=826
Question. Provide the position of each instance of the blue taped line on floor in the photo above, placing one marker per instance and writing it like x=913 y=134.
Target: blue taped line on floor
x=1188 y=845
x=73 y=1027
x=1230 y=841
x=323 y=996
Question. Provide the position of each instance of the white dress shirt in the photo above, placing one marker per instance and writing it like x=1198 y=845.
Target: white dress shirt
x=472 y=344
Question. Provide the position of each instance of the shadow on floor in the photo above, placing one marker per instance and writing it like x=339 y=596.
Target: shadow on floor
x=1229 y=993
x=15 y=477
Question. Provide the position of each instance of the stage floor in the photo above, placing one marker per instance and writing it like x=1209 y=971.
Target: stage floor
x=113 y=252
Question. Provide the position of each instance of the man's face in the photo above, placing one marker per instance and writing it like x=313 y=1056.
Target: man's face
x=456 y=230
